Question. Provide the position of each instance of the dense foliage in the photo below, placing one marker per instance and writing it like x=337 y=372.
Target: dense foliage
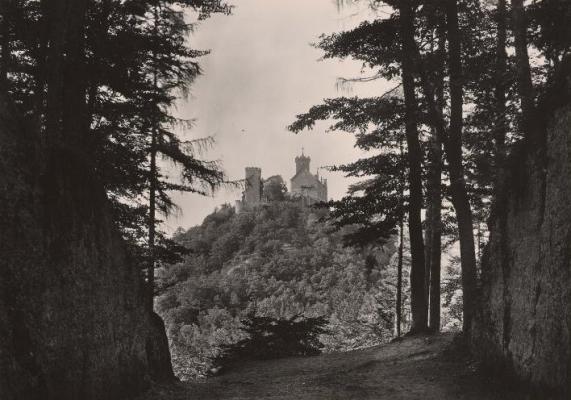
x=466 y=77
x=99 y=79
x=268 y=338
x=280 y=262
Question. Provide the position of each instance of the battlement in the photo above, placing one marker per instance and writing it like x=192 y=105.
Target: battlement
x=253 y=171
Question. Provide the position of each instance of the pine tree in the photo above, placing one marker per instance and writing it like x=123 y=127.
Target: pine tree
x=101 y=89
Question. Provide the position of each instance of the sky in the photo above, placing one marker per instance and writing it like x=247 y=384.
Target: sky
x=262 y=72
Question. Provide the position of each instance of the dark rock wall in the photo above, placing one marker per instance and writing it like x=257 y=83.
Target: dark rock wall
x=524 y=323
x=72 y=319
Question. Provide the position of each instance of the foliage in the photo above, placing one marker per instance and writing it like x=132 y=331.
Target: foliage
x=459 y=74
x=377 y=203
x=452 y=296
x=268 y=338
x=133 y=61
x=280 y=262
x=275 y=189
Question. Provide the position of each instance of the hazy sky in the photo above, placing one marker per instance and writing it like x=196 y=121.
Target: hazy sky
x=261 y=72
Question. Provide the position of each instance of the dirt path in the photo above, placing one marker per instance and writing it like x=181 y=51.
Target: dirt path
x=415 y=368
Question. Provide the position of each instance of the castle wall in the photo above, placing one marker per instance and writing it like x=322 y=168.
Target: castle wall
x=306 y=184
x=303 y=184
x=253 y=191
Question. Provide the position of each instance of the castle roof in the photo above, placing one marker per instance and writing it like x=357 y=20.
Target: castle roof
x=315 y=177
x=303 y=156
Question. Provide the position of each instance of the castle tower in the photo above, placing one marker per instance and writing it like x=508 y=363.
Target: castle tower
x=253 y=192
x=311 y=188
x=323 y=196
x=302 y=163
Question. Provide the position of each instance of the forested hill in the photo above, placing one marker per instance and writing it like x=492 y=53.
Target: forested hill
x=279 y=261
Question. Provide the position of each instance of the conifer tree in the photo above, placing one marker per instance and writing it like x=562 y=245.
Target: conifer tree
x=428 y=38
x=102 y=87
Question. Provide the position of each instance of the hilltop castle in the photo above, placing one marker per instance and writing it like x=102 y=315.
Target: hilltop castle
x=309 y=188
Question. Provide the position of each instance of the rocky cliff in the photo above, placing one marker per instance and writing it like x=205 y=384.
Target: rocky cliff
x=524 y=327
x=72 y=319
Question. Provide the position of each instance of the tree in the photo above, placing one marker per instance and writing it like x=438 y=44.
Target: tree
x=378 y=45
x=434 y=190
x=452 y=142
x=501 y=86
x=275 y=264
x=274 y=189
x=458 y=187
x=419 y=298
x=434 y=48
x=524 y=80
x=170 y=68
x=101 y=88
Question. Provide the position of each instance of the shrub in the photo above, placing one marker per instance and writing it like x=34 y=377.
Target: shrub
x=269 y=338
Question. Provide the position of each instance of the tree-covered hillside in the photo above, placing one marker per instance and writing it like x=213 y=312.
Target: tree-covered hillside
x=279 y=261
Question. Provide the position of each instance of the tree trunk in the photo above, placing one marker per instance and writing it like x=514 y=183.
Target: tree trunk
x=501 y=85
x=435 y=266
x=56 y=22
x=399 y=277
x=435 y=192
x=75 y=118
x=525 y=85
x=6 y=52
x=435 y=222
x=458 y=189
x=419 y=307
x=152 y=220
x=40 y=71
x=402 y=184
x=428 y=233
x=153 y=185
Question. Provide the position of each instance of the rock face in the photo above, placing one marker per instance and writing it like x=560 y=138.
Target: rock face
x=524 y=326
x=72 y=319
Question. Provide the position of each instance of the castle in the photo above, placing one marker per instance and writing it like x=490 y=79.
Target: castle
x=307 y=187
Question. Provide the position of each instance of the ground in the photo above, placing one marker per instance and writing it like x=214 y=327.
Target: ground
x=421 y=367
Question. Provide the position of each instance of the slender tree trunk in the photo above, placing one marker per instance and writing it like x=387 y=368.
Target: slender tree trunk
x=402 y=184
x=458 y=188
x=435 y=222
x=435 y=261
x=40 y=72
x=418 y=288
x=525 y=85
x=399 y=277
x=453 y=147
x=6 y=51
x=435 y=192
x=479 y=243
x=501 y=123
x=428 y=235
x=153 y=185
x=501 y=85
x=152 y=220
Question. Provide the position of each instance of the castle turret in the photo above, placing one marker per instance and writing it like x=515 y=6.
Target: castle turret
x=311 y=188
x=253 y=192
x=302 y=163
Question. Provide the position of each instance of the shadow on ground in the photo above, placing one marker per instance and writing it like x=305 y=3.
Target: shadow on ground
x=420 y=367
